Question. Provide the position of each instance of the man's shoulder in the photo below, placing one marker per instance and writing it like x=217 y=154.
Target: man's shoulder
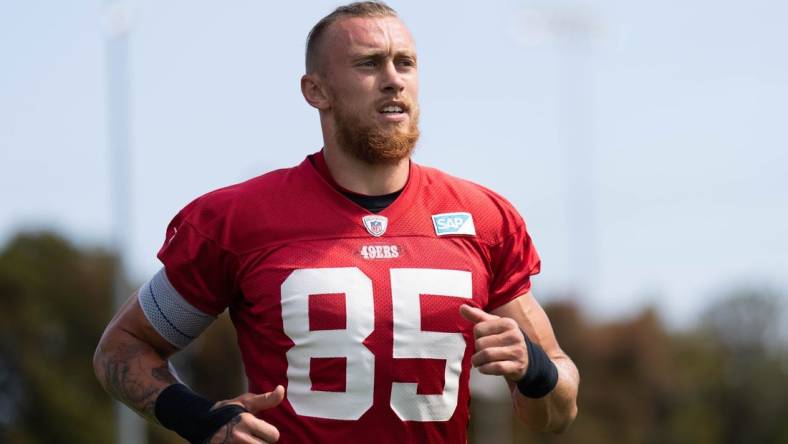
x=231 y=208
x=493 y=215
x=238 y=195
x=269 y=183
x=445 y=181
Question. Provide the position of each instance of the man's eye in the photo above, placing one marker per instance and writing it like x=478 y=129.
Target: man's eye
x=369 y=63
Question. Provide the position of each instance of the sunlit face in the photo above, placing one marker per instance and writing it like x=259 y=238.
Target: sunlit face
x=369 y=67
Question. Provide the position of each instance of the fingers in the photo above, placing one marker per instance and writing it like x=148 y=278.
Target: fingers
x=261 y=429
x=255 y=403
x=474 y=314
x=497 y=326
x=246 y=429
x=508 y=369
x=510 y=361
x=486 y=323
x=500 y=347
x=493 y=354
x=503 y=339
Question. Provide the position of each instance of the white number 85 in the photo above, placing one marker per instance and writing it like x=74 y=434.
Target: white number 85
x=410 y=341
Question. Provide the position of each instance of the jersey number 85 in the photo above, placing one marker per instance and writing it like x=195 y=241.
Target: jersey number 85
x=410 y=341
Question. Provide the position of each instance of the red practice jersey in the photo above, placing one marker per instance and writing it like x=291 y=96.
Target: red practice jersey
x=356 y=314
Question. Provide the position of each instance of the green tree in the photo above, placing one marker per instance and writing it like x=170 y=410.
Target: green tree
x=724 y=381
x=53 y=307
x=742 y=331
x=55 y=300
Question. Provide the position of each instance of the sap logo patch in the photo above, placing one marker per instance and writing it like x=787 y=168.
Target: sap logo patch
x=453 y=223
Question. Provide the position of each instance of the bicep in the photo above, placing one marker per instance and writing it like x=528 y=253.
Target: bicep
x=169 y=313
x=159 y=316
x=131 y=324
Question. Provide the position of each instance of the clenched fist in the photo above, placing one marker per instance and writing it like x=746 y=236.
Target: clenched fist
x=499 y=343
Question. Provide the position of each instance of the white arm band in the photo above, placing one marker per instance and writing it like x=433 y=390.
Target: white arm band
x=174 y=319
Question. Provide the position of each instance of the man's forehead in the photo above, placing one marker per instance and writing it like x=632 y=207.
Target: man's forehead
x=372 y=33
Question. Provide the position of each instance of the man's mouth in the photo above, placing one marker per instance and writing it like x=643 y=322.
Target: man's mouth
x=393 y=111
x=393 y=107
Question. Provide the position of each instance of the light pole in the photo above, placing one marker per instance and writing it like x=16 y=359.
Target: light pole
x=117 y=26
x=572 y=32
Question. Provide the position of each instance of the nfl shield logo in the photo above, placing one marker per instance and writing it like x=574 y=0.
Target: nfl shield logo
x=375 y=225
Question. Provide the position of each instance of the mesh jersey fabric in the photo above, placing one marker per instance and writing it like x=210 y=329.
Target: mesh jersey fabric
x=172 y=317
x=364 y=332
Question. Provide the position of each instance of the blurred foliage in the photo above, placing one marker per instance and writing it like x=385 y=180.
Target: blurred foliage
x=55 y=300
x=53 y=306
x=724 y=381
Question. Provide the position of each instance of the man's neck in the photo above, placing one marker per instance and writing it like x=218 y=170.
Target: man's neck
x=363 y=178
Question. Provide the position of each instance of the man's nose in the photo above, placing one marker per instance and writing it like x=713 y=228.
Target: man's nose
x=392 y=79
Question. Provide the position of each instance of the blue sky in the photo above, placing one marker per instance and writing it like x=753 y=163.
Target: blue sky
x=671 y=120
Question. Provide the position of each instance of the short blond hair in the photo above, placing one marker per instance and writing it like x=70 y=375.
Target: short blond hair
x=356 y=9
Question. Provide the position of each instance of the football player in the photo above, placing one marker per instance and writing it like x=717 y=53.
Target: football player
x=363 y=286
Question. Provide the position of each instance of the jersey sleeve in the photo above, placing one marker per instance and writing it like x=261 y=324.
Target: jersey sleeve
x=514 y=260
x=198 y=267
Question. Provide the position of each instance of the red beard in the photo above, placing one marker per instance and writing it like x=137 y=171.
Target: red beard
x=372 y=144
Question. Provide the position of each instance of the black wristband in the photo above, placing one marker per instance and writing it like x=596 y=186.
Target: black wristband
x=188 y=414
x=541 y=376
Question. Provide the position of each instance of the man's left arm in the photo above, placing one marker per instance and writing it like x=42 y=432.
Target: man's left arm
x=501 y=349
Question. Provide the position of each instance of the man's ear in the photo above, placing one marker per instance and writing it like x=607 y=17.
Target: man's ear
x=313 y=91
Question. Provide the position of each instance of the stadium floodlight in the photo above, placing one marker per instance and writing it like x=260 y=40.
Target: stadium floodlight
x=117 y=24
x=117 y=18
x=531 y=27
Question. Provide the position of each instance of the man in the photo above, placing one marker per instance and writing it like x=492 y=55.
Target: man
x=365 y=284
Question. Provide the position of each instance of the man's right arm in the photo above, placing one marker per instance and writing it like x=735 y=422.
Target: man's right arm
x=131 y=360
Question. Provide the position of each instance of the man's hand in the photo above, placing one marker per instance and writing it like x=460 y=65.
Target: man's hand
x=246 y=428
x=500 y=346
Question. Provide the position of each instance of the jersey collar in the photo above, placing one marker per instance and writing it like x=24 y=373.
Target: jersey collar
x=323 y=183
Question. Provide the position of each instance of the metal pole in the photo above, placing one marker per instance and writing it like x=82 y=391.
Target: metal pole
x=577 y=113
x=572 y=32
x=130 y=427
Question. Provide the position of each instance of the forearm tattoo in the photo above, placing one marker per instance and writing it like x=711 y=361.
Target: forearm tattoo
x=131 y=382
